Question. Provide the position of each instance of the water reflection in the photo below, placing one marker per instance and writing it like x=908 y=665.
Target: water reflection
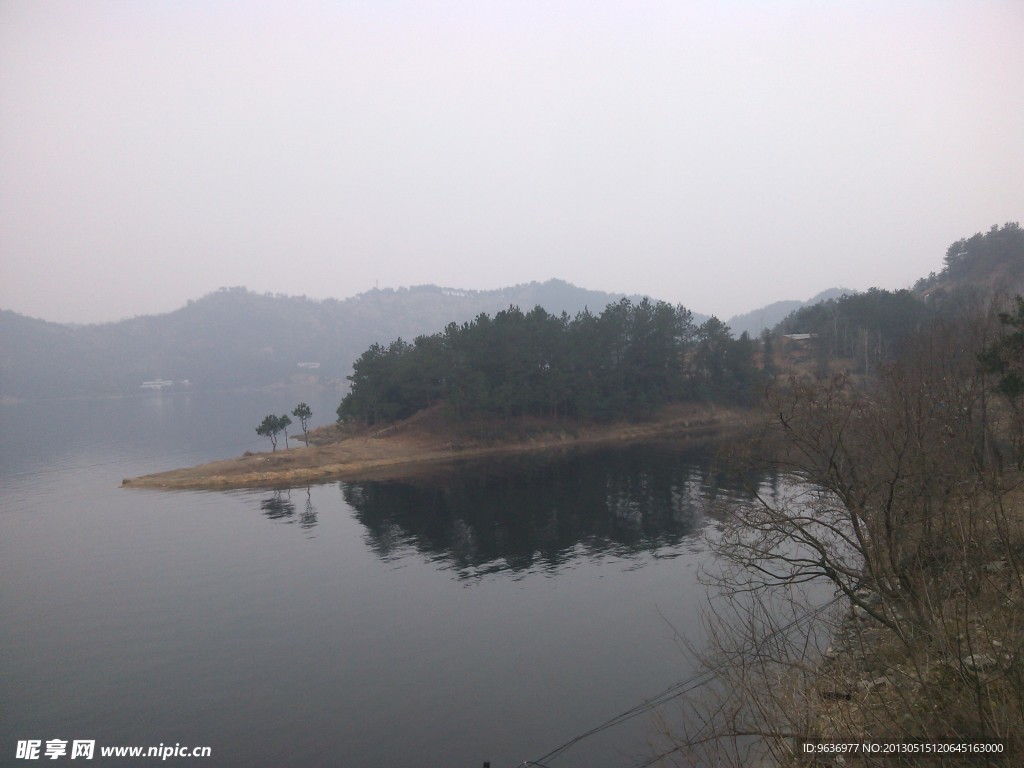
x=524 y=514
x=279 y=506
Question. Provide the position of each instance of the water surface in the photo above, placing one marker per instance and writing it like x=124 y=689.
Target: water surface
x=491 y=614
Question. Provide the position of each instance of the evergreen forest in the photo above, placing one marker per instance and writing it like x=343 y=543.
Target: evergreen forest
x=637 y=356
x=626 y=361
x=864 y=332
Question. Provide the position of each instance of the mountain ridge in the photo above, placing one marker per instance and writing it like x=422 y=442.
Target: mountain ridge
x=235 y=338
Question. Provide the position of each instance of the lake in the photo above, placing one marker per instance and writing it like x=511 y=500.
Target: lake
x=487 y=615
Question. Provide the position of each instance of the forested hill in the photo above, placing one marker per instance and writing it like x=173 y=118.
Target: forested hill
x=234 y=338
x=635 y=356
x=626 y=361
x=989 y=262
x=861 y=331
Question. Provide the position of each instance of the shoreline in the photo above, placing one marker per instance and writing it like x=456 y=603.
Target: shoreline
x=426 y=443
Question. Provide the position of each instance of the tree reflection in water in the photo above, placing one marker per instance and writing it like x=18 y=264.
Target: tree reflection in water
x=526 y=514
x=279 y=506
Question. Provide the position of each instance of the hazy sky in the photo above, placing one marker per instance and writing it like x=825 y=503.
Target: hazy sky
x=719 y=154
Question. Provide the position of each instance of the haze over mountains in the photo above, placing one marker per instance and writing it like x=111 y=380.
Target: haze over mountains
x=234 y=338
x=769 y=316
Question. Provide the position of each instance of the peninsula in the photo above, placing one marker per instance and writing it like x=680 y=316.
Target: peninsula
x=427 y=442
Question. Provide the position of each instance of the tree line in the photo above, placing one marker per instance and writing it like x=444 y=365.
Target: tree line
x=636 y=356
x=626 y=361
x=903 y=503
x=864 y=332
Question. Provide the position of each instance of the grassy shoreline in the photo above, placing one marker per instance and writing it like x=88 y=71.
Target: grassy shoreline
x=428 y=441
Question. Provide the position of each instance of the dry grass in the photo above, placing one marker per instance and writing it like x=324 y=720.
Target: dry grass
x=427 y=440
x=960 y=674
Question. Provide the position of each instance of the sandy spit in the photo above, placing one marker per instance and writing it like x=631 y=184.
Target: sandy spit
x=423 y=444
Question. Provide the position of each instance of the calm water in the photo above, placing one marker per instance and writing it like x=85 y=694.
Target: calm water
x=492 y=614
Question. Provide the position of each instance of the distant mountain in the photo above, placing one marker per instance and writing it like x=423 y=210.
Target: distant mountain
x=234 y=338
x=769 y=316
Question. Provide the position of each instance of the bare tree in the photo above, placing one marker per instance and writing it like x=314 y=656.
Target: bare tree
x=898 y=509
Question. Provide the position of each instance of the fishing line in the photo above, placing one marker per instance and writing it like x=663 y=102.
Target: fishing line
x=672 y=692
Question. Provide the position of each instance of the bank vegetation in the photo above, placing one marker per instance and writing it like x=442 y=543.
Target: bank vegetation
x=881 y=599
